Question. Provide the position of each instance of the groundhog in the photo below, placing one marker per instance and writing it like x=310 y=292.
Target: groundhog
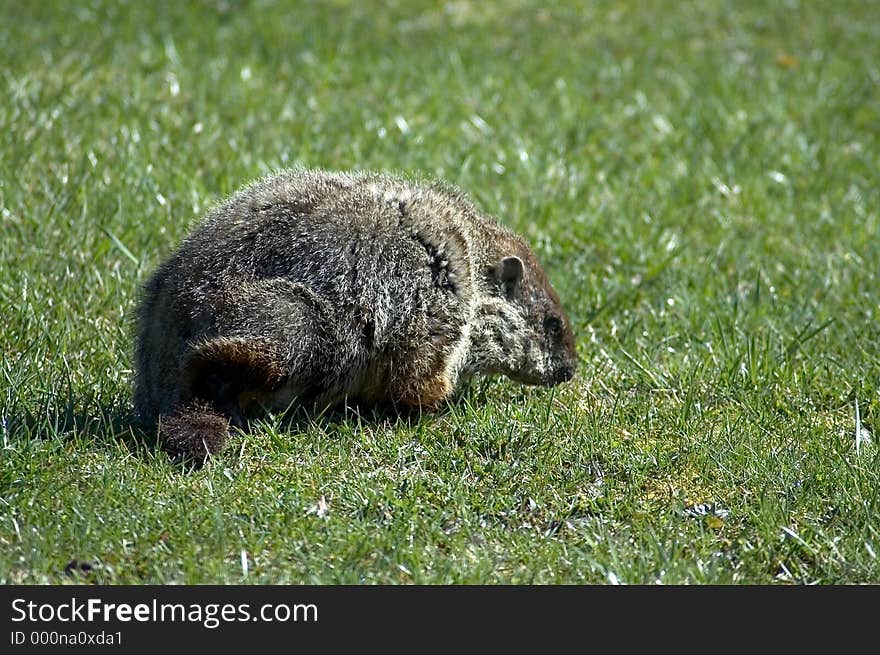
x=311 y=288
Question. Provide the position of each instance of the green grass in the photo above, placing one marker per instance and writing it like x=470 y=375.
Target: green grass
x=700 y=180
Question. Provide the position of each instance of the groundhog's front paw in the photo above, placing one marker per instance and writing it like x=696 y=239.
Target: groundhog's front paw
x=429 y=395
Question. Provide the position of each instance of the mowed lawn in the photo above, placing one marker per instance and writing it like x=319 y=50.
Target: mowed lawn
x=700 y=180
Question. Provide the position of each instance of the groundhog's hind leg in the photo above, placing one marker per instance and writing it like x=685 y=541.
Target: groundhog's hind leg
x=219 y=371
x=275 y=334
x=215 y=375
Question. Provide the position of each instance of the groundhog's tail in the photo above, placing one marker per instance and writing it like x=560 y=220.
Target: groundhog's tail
x=194 y=433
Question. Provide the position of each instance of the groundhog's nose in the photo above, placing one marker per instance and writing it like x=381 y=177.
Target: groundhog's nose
x=563 y=373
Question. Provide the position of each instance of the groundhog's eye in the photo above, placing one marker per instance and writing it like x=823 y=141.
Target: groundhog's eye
x=553 y=325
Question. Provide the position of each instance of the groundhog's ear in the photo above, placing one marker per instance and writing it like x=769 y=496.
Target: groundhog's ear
x=509 y=273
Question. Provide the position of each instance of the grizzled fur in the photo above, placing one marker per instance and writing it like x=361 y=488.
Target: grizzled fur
x=313 y=287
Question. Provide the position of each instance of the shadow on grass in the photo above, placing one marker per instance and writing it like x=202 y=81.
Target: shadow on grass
x=65 y=417
x=68 y=417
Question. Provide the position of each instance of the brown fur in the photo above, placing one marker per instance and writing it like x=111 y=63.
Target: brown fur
x=194 y=433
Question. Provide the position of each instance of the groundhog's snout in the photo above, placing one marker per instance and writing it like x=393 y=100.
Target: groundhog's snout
x=561 y=369
x=565 y=359
x=563 y=373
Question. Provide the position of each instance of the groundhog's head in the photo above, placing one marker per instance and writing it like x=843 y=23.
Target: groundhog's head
x=533 y=334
